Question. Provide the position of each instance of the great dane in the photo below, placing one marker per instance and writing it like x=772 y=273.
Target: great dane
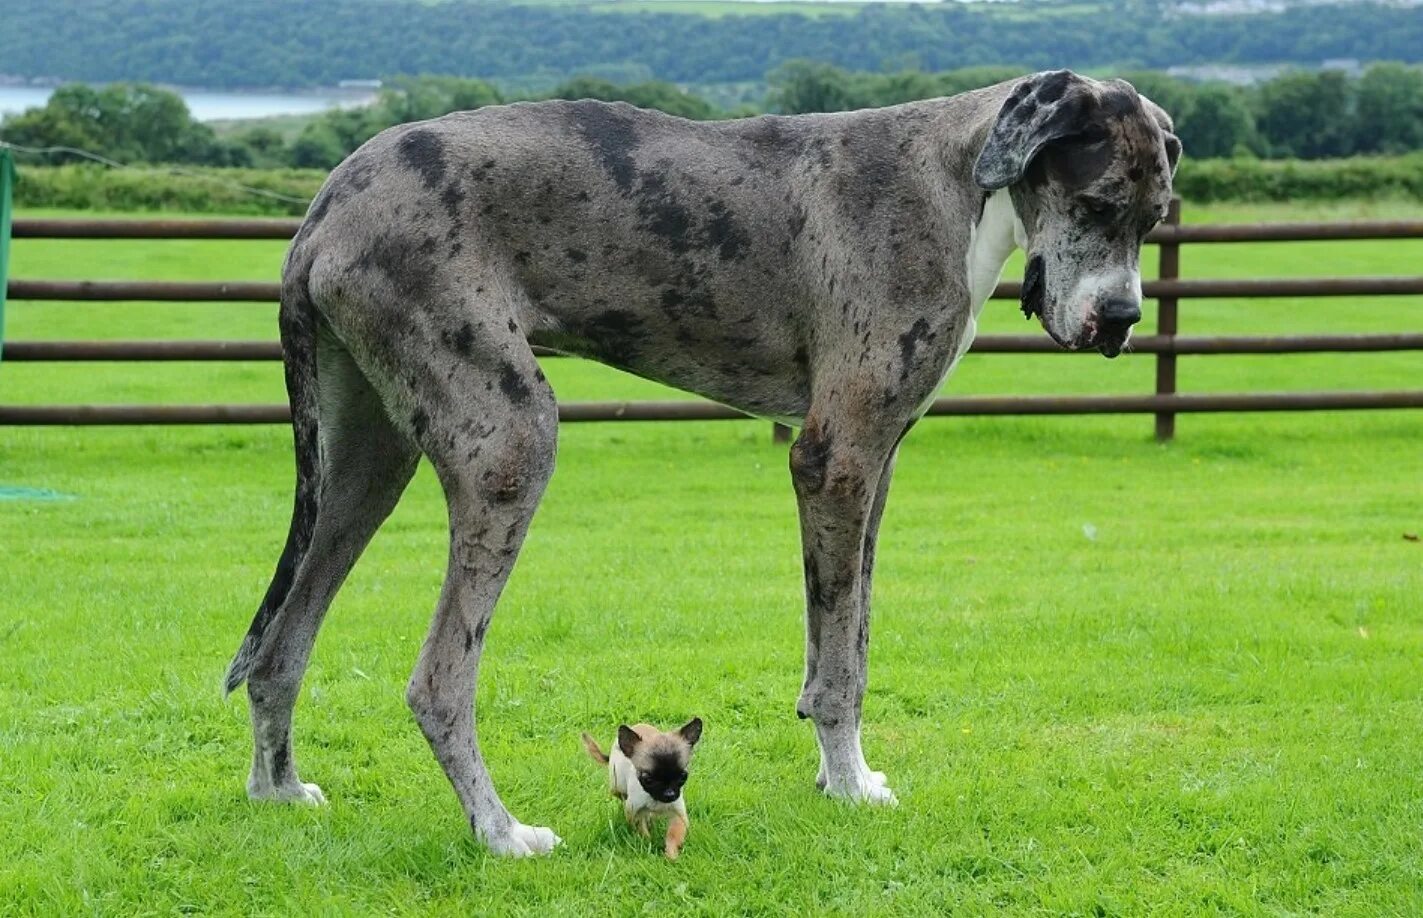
x=822 y=270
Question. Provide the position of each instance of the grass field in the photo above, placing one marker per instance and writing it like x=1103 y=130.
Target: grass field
x=1108 y=677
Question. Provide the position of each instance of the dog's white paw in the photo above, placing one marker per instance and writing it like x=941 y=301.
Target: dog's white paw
x=305 y=794
x=860 y=785
x=862 y=789
x=523 y=841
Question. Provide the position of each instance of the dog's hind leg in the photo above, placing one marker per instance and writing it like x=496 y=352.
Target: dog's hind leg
x=365 y=465
x=481 y=410
x=838 y=468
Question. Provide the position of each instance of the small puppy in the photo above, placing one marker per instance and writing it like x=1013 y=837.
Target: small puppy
x=646 y=770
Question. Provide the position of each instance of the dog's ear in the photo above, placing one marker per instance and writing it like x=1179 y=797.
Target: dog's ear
x=1173 y=152
x=692 y=731
x=1042 y=108
x=1163 y=121
x=627 y=740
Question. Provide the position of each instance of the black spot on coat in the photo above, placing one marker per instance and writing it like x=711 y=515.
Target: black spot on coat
x=423 y=151
x=460 y=341
x=724 y=233
x=612 y=136
x=512 y=384
x=810 y=457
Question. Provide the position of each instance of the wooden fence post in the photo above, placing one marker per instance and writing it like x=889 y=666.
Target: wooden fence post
x=1170 y=269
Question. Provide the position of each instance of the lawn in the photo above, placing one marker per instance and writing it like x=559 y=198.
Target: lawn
x=1107 y=676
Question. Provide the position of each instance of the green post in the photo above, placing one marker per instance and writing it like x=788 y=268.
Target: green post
x=7 y=179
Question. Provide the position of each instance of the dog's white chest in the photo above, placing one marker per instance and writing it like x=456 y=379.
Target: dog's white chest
x=991 y=241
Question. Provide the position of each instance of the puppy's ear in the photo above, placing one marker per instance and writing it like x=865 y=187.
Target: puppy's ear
x=692 y=731
x=627 y=740
x=1043 y=108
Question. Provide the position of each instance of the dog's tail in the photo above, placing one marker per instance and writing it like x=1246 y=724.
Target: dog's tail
x=297 y=322
x=592 y=746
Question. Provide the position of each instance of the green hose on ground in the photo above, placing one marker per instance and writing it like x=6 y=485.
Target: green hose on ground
x=7 y=179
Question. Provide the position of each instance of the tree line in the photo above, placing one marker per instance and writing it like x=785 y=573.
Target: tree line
x=1298 y=114
x=1303 y=115
x=266 y=43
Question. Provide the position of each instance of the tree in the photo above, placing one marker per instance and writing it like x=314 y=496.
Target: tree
x=318 y=147
x=129 y=122
x=1310 y=115
x=1217 y=123
x=806 y=86
x=1390 y=109
x=266 y=149
x=652 y=94
x=406 y=99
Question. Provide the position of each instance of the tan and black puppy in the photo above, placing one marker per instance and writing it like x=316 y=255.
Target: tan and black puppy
x=646 y=770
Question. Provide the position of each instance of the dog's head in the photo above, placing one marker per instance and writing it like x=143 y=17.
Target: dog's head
x=661 y=760
x=1089 y=167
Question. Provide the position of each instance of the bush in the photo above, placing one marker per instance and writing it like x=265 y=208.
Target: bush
x=192 y=191
x=1244 y=179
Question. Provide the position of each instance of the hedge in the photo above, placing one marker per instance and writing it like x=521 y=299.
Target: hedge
x=1204 y=181
x=216 y=190
x=189 y=190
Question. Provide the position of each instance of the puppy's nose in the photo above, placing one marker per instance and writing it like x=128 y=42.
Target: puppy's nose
x=1120 y=312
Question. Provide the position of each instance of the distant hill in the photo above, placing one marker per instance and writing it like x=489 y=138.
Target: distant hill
x=269 y=43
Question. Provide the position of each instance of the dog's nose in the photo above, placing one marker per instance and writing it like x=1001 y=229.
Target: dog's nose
x=1120 y=312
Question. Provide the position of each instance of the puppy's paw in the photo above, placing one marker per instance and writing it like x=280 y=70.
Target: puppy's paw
x=522 y=841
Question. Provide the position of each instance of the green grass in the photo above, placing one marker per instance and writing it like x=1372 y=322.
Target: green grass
x=1213 y=706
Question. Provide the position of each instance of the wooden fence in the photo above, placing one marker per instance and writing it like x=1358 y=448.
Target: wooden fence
x=1165 y=403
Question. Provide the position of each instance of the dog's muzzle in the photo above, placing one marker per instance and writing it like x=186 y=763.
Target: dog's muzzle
x=1114 y=321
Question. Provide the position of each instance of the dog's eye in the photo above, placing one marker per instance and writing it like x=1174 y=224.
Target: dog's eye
x=1098 y=207
x=1151 y=222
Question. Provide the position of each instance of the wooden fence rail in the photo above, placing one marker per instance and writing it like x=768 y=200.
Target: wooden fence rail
x=1166 y=345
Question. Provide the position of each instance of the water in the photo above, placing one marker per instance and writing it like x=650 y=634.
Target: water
x=215 y=106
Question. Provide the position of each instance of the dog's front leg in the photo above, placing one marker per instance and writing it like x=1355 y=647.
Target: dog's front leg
x=637 y=818
x=837 y=472
x=676 y=834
